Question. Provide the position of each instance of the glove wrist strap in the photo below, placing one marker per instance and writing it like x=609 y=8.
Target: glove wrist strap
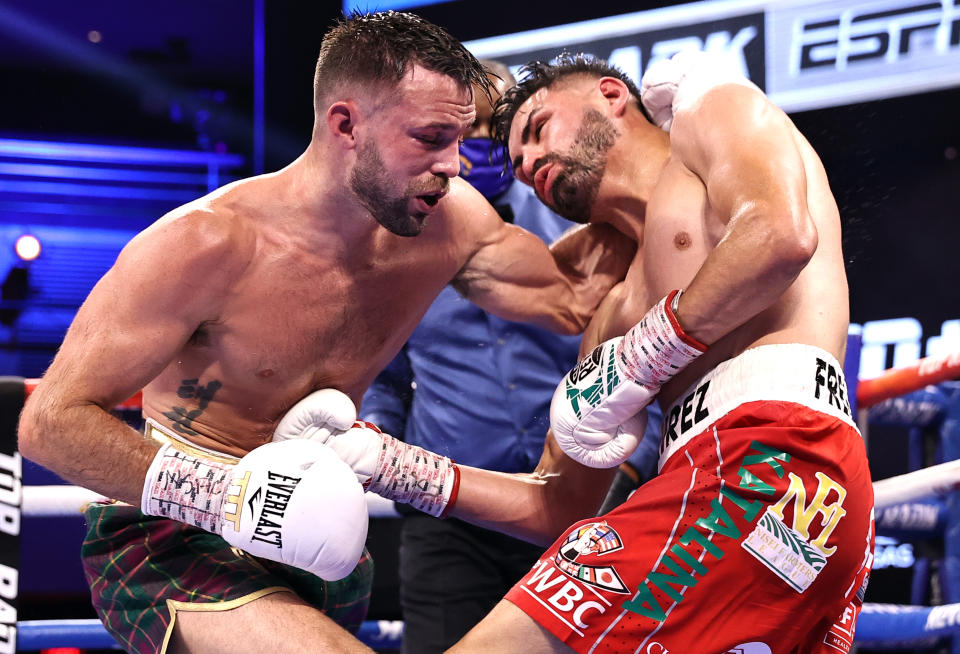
x=657 y=348
x=186 y=488
x=411 y=475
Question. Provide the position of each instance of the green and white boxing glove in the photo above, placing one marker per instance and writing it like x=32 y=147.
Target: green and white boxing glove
x=597 y=412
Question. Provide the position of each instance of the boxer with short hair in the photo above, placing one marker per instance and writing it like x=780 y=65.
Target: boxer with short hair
x=757 y=534
x=230 y=309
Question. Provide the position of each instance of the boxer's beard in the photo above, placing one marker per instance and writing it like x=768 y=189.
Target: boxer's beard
x=379 y=195
x=581 y=169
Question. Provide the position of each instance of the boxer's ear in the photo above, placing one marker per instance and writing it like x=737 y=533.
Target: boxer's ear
x=341 y=118
x=615 y=92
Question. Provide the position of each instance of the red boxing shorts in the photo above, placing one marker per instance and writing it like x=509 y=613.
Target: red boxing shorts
x=756 y=537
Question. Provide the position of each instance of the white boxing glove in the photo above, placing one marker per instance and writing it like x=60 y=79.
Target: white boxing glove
x=670 y=85
x=596 y=414
x=317 y=416
x=382 y=464
x=294 y=502
x=396 y=470
x=596 y=386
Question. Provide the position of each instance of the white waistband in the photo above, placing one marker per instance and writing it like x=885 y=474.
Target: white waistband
x=156 y=431
x=802 y=374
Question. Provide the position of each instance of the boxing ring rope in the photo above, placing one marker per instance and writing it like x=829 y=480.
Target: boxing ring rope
x=880 y=625
x=933 y=481
x=61 y=500
x=936 y=481
x=90 y=634
x=900 y=381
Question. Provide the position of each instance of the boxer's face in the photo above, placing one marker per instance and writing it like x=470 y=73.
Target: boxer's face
x=403 y=168
x=559 y=142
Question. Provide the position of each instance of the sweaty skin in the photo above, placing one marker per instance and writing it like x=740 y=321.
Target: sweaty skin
x=733 y=206
x=768 y=205
x=743 y=187
x=230 y=309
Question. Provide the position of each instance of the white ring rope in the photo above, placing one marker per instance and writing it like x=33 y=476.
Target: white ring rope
x=59 y=501
x=935 y=481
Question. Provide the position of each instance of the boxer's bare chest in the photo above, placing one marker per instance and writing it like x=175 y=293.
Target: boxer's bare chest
x=679 y=231
x=294 y=324
x=330 y=320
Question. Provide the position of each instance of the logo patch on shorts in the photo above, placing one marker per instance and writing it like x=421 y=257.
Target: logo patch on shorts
x=840 y=635
x=785 y=552
x=583 y=544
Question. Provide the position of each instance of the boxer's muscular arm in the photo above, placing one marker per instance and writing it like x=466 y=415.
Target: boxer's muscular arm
x=744 y=150
x=620 y=310
x=513 y=274
x=537 y=507
x=597 y=253
x=164 y=284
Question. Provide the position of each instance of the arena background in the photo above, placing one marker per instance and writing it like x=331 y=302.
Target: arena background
x=232 y=79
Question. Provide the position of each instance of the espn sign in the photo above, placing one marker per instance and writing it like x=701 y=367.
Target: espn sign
x=824 y=51
x=806 y=54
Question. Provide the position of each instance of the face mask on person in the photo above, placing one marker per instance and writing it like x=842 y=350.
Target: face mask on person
x=484 y=168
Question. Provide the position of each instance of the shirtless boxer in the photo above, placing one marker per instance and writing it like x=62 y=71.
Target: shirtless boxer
x=233 y=307
x=756 y=536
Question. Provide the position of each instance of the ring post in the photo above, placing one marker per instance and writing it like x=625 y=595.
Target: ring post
x=12 y=396
x=950 y=440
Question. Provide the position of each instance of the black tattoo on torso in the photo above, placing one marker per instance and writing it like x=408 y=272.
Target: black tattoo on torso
x=183 y=418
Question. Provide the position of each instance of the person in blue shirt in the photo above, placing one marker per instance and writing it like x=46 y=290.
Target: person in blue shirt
x=476 y=388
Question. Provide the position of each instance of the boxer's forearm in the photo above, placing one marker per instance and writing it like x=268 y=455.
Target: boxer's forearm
x=594 y=258
x=85 y=445
x=535 y=507
x=595 y=249
x=515 y=504
x=519 y=279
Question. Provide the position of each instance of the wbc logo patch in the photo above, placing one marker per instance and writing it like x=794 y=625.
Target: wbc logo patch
x=577 y=556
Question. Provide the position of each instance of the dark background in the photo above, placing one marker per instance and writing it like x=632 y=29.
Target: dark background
x=893 y=164
x=180 y=74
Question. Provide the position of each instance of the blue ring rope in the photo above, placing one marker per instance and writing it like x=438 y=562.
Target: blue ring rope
x=90 y=634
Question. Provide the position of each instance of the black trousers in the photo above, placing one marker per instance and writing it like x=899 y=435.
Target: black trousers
x=451 y=575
